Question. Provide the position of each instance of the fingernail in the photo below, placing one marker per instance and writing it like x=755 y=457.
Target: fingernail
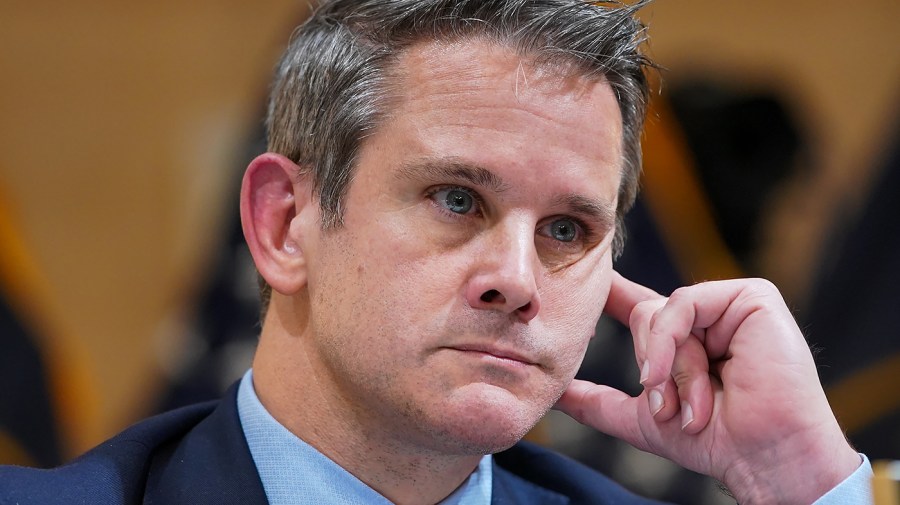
x=645 y=372
x=656 y=401
x=687 y=414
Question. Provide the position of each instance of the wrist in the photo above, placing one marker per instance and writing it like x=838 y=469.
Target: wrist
x=792 y=478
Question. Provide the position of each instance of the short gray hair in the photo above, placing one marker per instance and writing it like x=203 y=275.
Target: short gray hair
x=330 y=88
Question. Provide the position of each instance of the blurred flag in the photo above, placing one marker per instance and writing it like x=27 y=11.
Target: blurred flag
x=854 y=316
x=46 y=404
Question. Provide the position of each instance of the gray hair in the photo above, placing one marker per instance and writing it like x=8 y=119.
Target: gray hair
x=331 y=87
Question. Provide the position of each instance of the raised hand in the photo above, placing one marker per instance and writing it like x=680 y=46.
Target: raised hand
x=730 y=390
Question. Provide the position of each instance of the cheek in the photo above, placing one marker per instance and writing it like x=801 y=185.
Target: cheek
x=424 y=260
x=572 y=304
x=577 y=295
x=397 y=284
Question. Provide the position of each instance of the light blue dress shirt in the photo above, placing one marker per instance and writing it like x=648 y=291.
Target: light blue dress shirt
x=295 y=473
x=854 y=490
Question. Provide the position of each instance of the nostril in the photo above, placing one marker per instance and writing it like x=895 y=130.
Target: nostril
x=491 y=296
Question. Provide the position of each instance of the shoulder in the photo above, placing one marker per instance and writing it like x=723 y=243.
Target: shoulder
x=113 y=472
x=526 y=465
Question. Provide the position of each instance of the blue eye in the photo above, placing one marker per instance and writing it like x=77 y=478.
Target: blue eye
x=564 y=230
x=455 y=200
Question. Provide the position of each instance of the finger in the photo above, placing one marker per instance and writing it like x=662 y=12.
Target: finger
x=690 y=371
x=639 y=325
x=603 y=408
x=667 y=393
x=687 y=380
x=695 y=309
x=624 y=295
x=716 y=310
x=670 y=327
x=751 y=300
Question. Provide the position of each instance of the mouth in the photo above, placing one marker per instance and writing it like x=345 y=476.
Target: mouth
x=495 y=354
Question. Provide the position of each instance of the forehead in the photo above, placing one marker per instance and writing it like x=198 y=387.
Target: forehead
x=474 y=60
x=476 y=82
x=479 y=99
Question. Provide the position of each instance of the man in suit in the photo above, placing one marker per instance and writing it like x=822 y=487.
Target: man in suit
x=434 y=226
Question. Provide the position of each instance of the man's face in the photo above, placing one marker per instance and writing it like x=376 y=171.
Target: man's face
x=455 y=303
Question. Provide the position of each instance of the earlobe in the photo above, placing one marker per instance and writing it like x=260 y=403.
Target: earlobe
x=271 y=199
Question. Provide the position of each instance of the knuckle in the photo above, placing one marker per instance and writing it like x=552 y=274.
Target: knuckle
x=641 y=312
x=764 y=286
x=680 y=295
x=682 y=380
x=764 y=294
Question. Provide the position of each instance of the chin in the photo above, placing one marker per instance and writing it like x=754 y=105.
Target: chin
x=484 y=419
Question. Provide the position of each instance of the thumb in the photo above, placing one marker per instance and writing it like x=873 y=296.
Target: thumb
x=603 y=408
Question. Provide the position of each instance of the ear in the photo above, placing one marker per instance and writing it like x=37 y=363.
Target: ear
x=271 y=199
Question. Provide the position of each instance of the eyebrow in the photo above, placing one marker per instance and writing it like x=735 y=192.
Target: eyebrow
x=453 y=168
x=603 y=214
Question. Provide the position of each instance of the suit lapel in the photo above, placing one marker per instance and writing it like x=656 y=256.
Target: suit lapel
x=510 y=489
x=210 y=465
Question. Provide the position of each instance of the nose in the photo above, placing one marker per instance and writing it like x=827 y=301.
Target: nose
x=504 y=275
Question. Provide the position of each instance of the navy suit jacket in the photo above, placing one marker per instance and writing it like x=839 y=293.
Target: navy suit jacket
x=198 y=455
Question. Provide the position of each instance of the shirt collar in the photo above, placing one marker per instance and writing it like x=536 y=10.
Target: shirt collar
x=295 y=473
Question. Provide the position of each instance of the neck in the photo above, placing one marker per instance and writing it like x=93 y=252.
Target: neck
x=299 y=393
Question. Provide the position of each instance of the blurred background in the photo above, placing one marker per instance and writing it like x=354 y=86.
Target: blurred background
x=772 y=150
